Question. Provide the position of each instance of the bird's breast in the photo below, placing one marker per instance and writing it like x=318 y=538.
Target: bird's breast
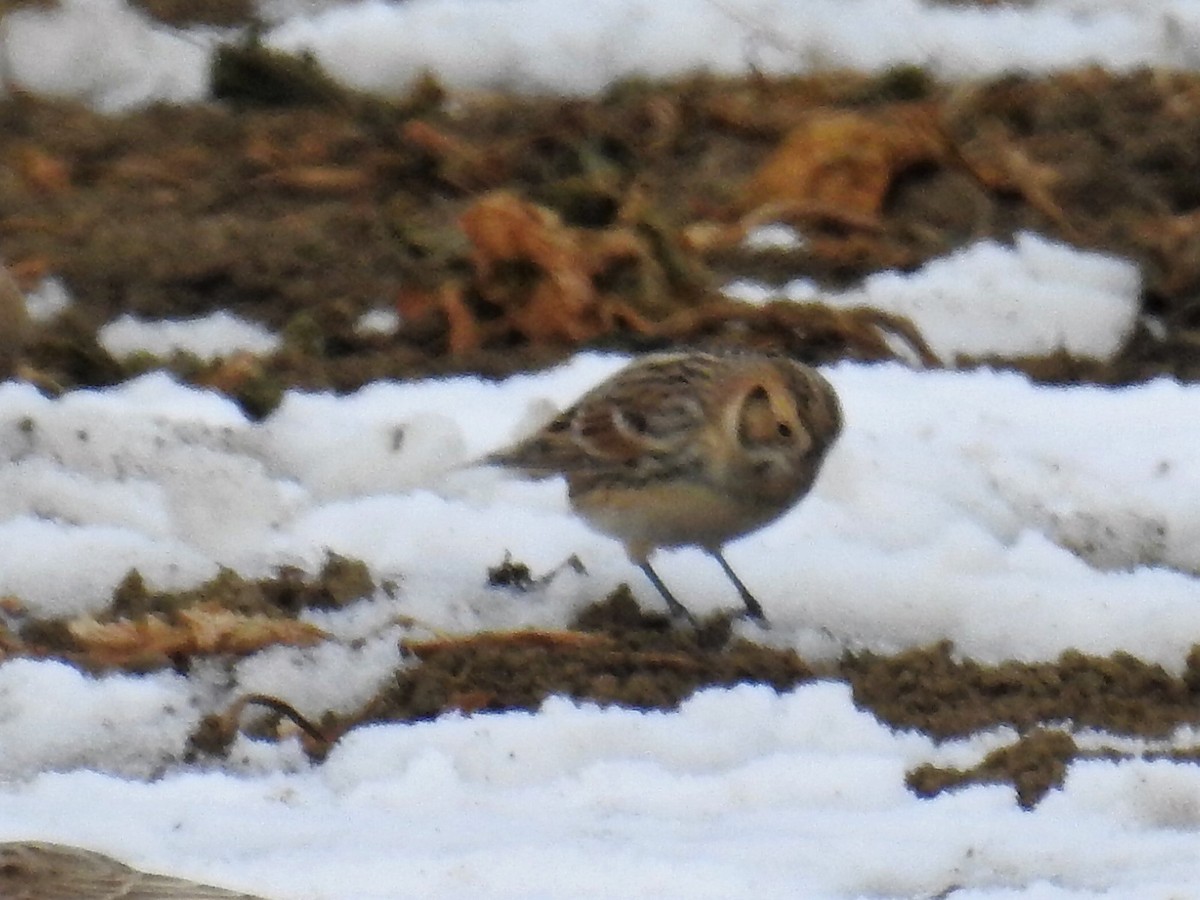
x=670 y=514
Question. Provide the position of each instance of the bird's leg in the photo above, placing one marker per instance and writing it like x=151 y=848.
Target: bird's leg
x=677 y=609
x=753 y=608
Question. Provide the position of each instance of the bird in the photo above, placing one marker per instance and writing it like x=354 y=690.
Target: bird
x=687 y=448
x=35 y=870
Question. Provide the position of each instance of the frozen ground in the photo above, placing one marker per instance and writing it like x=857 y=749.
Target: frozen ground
x=1014 y=520
x=1011 y=519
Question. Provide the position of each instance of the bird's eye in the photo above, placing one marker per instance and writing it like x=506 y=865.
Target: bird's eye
x=784 y=429
x=636 y=420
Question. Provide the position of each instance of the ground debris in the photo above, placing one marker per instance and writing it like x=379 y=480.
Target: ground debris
x=203 y=629
x=510 y=231
x=226 y=616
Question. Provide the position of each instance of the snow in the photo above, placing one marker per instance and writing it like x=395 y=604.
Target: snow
x=1038 y=297
x=548 y=46
x=103 y=53
x=773 y=237
x=1040 y=527
x=109 y=55
x=129 y=722
x=796 y=795
x=48 y=300
x=1013 y=519
x=379 y=321
x=205 y=337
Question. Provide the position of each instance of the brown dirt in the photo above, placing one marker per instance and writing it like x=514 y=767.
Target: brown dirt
x=617 y=654
x=300 y=205
x=304 y=217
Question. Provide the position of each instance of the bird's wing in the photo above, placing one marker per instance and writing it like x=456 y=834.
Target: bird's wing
x=648 y=412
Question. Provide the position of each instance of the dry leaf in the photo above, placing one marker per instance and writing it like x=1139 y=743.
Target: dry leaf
x=233 y=373
x=840 y=164
x=43 y=172
x=569 y=640
x=319 y=179
x=504 y=228
x=708 y=237
x=465 y=334
x=414 y=304
x=560 y=303
x=996 y=159
x=458 y=163
x=32 y=270
x=203 y=629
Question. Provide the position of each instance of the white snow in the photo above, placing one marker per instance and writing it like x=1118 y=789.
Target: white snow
x=958 y=502
x=379 y=321
x=773 y=237
x=129 y=722
x=107 y=54
x=48 y=300
x=103 y=53
x=206 y=337
x=1013 y=519
x=549 y=46
x=1033 y=298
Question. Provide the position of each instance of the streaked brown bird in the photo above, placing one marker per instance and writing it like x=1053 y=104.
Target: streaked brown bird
x=33 y=870
x=688 y=449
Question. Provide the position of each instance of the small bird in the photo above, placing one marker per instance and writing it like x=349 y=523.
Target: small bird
x=33 y=870
x=687 y=449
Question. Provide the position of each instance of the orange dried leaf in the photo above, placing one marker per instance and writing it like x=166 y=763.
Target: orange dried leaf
x=560 y=305
x=43 y=172
x=458 y=162
x=414 y=304
x=464 y=332
x=502 y=227
x=31 y=271
x=319 y=179
x=565 y=640
x=840 y=164
x=233 y=373
x=616 y=314
x=264 y=151
x=708 y=237
x=431 y=140
x=1001 y=164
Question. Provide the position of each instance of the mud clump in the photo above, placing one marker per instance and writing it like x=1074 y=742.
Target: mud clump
x=1034 y=765
x=619 y=656
x=930 y=690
